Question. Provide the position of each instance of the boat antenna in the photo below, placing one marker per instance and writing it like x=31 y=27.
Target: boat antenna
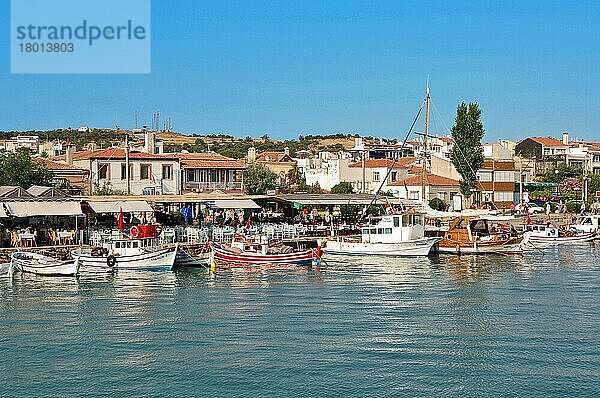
x=374 y=198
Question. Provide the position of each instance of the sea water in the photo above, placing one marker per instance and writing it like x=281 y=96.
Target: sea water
x=360 y=326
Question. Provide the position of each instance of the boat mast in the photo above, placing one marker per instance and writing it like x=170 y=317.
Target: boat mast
x=425 y=132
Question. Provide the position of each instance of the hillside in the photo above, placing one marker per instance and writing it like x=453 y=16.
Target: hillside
x=175 y=142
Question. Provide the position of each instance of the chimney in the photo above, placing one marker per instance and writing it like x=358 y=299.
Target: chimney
x=69 y=154
x=286 y=150
x=357 y=141
x=251 y=154
x=149 y=142
x=565 y=138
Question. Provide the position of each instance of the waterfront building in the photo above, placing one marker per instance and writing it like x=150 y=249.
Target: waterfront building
x=436 y=186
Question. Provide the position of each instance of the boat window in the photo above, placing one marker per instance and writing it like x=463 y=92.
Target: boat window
x=418 y=220
x=373 y=231
x=365 y=231
x=117 y=245
x=129 y=244
x=406 y=220
x=135 y=244
x=380 y=231
x=388 y=231
x=396 y=221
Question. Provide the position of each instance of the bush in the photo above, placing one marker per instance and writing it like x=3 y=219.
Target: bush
x=437 y=204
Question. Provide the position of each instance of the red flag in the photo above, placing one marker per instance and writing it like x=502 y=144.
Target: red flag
x=120 y=220
x=248 y=223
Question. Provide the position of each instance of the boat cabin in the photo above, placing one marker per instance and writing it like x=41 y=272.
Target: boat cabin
x=542 y=230
x=247 y=245
x=586 y=224
x=395 y=228
x=130 y=247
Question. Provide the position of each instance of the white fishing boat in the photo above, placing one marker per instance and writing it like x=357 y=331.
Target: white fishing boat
x=39 y=264
x=542 y=233
x=586 y=224
x=393 y=235
x=132 y=254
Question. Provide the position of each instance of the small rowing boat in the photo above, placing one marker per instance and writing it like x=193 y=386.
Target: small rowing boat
x=39 y=264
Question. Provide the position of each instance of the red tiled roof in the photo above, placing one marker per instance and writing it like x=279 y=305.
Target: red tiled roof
x=213 y=164
x=547 y=141
x=201 y=156
x=432 y=180
x=54 y=165
x=401 y=163
x=446 y=139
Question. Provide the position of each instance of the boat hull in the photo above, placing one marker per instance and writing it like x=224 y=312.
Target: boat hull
x=583 y=238
x=159 y=260
x=418 y=247
x=471 y=248
x=189 y=260
x=222 y=256
x=41 y=265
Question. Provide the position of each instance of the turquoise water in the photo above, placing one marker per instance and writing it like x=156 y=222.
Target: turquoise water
x=447 y=326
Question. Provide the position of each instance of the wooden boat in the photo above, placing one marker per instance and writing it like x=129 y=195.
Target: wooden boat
x=544 y=233
x=393 y=235
x=475 y=236
x=244 y=251
x=39 y=264
x=133 y=254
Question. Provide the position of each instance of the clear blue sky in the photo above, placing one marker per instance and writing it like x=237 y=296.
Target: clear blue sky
x=296 y=67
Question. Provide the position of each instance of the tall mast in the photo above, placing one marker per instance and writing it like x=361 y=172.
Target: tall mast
x=425 y=132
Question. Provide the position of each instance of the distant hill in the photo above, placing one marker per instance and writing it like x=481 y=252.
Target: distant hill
x=226 y=145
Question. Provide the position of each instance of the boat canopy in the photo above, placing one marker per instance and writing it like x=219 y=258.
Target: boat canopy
x=35 y=208
x=127 y=206
x=233 y=204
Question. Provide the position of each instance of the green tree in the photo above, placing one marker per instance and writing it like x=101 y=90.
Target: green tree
x=342 y=187
x=258 y=179
x=106 y=189
x=467 y=152
x=20 y=169
x=437 y=204
x=562 y=172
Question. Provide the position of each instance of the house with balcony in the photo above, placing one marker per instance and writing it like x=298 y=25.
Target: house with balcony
x=206 y=172
x=545 y=152
x=69 y=178
x=149 y=174
x=368 y=176
x=496 y=183
x=435 y=187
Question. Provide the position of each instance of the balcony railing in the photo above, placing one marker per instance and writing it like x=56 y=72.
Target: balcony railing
x=211 y=186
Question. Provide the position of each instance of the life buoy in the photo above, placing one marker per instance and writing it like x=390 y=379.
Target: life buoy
x=111 y=261
x=134 y=231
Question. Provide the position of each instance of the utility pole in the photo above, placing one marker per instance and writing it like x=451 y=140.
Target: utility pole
x=127 y=176
x=364 y=171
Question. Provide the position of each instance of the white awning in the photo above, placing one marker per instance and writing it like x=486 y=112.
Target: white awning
x=36 y=208
x=127 y=206
x=233 y=204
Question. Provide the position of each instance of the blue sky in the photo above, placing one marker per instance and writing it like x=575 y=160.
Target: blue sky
x=286 y=68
